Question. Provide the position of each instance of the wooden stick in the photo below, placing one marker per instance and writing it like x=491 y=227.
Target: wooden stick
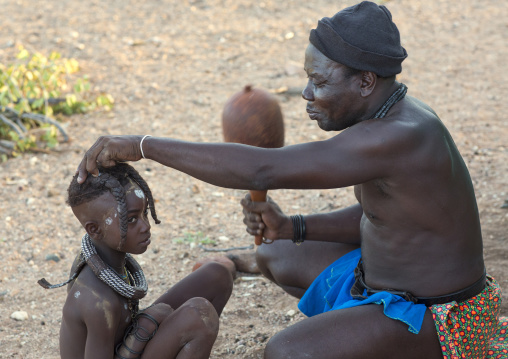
x=258 y=196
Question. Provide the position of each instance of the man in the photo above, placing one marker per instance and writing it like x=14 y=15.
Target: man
x=379 y=278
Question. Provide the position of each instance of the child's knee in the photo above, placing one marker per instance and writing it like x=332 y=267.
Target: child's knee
x=201 y=316
x=221 y=276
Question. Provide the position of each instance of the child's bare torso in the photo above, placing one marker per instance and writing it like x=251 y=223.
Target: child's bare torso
x=90 y=301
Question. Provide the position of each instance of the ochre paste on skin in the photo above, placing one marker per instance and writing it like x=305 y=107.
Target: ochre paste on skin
x=105 y=307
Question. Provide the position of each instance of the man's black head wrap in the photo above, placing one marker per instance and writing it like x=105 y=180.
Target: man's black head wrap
x=362 y=37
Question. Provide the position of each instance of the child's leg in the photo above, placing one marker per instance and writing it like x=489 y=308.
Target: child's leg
x=187 y=333
x=212 y=281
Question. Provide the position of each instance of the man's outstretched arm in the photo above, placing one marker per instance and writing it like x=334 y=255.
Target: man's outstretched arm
x=359 y=154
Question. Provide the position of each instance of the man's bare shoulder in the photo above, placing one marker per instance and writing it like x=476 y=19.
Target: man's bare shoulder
x=410 y=124
x=420 y=105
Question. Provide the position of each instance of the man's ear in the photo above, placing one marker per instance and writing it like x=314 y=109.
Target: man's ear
x=93 y=230
x=369 y=80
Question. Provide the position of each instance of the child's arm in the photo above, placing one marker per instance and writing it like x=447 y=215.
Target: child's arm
x=103 y=318
x=94 y=319
x=143 y=328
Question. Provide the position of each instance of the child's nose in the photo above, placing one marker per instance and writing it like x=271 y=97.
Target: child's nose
x=146 y=224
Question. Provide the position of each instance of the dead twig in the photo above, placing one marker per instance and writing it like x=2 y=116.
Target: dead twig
x=224 y=249
x=12 y=118
x=12 y=125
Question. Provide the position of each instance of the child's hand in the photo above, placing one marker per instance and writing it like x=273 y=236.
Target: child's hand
x=143 y=329
x=158 y=311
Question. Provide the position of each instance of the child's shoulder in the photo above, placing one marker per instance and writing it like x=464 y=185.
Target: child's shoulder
x=92 y=306
x=87 y=293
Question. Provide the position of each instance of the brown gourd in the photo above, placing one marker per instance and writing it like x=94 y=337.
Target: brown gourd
x=253 y=117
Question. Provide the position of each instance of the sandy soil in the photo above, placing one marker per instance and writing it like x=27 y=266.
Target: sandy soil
x=171 y=65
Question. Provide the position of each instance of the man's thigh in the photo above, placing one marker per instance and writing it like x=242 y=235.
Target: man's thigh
x=293 y=267
x=359 y=332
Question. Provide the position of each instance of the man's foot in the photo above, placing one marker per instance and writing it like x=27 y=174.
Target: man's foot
x=245 y=262
x=242 y=262
x=225 y=261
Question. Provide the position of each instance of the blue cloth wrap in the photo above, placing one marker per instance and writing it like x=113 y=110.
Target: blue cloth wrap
x=331 y=291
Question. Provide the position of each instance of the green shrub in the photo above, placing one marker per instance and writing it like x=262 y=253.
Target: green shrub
x=34 y=92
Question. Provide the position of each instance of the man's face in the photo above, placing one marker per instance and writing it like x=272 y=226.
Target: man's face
x=332 y=97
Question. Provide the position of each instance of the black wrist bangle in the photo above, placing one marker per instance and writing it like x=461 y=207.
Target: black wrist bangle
x=149 y=336
x=299 y=230
x=123 y=345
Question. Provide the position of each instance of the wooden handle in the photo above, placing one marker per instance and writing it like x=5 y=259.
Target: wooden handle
x=258 y=196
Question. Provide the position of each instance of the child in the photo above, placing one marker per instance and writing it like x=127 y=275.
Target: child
x=100 y=316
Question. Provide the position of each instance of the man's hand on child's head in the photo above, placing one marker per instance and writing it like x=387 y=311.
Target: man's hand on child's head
x=106 y=152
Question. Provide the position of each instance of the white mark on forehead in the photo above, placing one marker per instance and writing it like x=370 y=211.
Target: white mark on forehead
x=108 y=221
x=116 y=214
x=139 y=193
x=77 y=294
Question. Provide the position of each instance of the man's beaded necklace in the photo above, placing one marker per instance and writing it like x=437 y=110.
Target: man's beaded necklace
x=396 y=96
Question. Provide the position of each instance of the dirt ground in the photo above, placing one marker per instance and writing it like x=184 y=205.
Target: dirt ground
x=171 y=66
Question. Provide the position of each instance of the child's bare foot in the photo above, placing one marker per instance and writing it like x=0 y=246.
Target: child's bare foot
x=225 y=261
x=245 y=262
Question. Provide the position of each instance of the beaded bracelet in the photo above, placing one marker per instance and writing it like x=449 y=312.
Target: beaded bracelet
x=299 y=230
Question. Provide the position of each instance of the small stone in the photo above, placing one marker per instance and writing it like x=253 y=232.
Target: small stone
x=52 y=193
x=53 y=257
x=291 y=313
x=19 y=316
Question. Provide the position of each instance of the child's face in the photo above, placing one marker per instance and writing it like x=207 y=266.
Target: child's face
x=138 y=231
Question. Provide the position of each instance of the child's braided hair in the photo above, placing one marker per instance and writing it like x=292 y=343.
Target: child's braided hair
x=112 y=179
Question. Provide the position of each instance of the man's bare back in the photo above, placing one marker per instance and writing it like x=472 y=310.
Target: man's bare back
x=417 y=214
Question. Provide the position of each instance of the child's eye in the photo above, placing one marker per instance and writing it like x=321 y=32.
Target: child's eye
x=146 y=212
x=132 y=220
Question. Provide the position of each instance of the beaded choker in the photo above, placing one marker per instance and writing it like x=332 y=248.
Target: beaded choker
x=89 y=256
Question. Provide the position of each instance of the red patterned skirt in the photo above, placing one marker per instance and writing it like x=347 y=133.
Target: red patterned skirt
x=473 y=328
